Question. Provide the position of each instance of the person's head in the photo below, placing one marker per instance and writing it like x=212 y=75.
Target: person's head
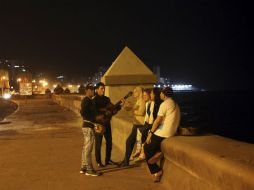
x=89 y=89
x=166 y=93
x=155 y=94
x=137 y=92
x=100 y=88
x=146 y=95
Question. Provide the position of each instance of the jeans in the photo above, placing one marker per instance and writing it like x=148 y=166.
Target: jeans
x=87 y=148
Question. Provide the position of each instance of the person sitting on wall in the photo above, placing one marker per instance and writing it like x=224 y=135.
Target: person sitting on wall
x=153 y=102
x=164 y=126
x=138 y=110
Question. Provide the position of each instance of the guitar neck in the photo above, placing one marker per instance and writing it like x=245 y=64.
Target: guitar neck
x=125 y=97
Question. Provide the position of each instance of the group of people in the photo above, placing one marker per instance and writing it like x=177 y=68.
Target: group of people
x=156 y=116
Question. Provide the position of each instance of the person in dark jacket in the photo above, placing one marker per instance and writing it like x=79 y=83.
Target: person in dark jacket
x=103 y=106
x=88 y=113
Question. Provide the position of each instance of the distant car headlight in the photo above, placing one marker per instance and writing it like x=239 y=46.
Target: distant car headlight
x=7 y=96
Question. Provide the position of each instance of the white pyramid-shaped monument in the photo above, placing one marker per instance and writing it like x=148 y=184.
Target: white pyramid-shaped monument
x=128 y=69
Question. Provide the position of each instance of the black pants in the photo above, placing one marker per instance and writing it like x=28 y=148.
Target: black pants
x=144 y=131
x=98 y=141
x=150 y=150
x=130 y=142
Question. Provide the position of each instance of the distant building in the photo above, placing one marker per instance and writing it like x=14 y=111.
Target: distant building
x=157 y=71
x=14 y=67
x=4 y=81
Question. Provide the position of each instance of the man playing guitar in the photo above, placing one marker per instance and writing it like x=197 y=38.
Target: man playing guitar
x=104 y=107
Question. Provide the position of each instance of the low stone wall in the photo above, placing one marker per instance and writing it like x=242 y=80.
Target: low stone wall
x=71 y=102
x=121 y=123
x=194 y=163
x=208 y=162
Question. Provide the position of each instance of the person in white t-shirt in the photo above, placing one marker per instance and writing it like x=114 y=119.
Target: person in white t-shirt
x=165 y=126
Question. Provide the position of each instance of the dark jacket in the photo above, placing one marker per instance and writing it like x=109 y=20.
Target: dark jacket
x=101 y=104
x=88 y=112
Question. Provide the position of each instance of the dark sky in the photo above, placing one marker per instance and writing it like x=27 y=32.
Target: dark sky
x=205 y=43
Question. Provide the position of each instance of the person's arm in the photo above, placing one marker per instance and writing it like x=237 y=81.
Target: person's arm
x=161 y=114
x=155 y=110
x=83 y=110
x=156 y=124
x=86 y=110
x=140 y=109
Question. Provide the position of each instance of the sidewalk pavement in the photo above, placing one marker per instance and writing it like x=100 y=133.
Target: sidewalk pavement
x=41 y=150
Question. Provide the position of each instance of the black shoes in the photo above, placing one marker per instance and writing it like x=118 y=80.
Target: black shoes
x=123 y=164
x=110 y=162
x=100 y=165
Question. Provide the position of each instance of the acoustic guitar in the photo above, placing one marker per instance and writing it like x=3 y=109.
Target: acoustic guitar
x=111 y=109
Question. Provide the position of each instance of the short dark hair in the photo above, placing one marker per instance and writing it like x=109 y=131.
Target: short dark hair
x=99 y=84
x=168 y=91
x=147 y=90
x=89 y=86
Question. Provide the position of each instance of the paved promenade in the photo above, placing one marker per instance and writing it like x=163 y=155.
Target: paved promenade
x=41 y=148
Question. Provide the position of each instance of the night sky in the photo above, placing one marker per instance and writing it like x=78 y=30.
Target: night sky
x=205 y=43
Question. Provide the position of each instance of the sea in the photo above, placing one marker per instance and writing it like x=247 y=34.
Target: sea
x=224 y=113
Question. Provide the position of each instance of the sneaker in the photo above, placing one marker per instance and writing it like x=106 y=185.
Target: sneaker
x=82 y=170
x=123 y=164
x=92 y=173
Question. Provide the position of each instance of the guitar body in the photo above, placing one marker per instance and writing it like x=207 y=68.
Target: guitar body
x=111 y=109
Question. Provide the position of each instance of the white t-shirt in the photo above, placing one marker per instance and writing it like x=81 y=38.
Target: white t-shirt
x=170 y=112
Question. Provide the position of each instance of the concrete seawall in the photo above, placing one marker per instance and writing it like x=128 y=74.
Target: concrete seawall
x=197 y=162
x=121 y=123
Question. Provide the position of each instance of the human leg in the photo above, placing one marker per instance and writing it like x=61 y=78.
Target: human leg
x=138 y=144
x=150 y=150
x=86 y=163
x=108 y=138
x=144 y=131
x=130 y=142
x=98 y=142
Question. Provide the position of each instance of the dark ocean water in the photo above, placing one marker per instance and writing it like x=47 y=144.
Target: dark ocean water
x=229 y=113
